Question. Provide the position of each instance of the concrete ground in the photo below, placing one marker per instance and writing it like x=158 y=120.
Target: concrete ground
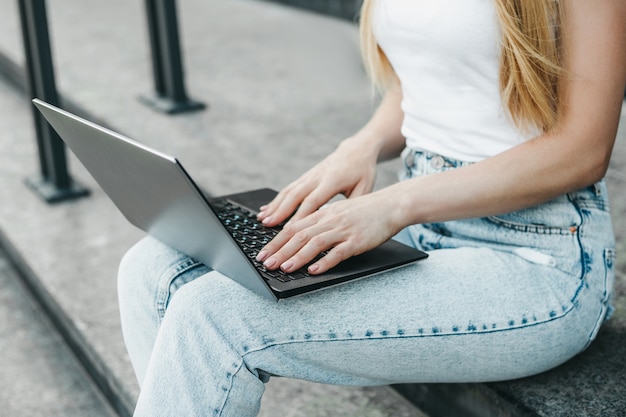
x=39 y=375
x=277 y=81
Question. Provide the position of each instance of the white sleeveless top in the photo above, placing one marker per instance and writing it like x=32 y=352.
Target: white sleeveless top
x=446 y=55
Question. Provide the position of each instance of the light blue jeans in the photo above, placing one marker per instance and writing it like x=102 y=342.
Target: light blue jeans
x=499 y=298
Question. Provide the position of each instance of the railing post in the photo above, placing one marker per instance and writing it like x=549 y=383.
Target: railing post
x=170 y=96
x=54 y=182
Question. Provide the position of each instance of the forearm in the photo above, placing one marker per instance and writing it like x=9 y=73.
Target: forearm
x=516 y=179
x=571 y=156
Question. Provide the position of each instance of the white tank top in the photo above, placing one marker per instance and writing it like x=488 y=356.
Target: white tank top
x=446 y=55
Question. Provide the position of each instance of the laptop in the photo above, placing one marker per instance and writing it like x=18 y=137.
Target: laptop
x=155 y=193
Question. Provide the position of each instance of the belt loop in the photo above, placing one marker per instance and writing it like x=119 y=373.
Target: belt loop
x=597 y=189
x=408 y=157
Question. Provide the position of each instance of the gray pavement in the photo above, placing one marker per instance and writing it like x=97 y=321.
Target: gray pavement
x=39 y=375
x=265 y=72
x=278 y=81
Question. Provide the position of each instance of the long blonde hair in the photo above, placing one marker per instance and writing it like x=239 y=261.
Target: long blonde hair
x=530 y=63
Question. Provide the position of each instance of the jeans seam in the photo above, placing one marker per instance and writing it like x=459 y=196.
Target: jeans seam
x=231 y=376
x=530 y=228
x=174 y=272
x=584 y=262
x=318 y=339
x=604 y=305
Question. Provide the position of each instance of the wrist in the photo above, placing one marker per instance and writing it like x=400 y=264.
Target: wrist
x=399 y=207
x=377 y=145
x=361 y=144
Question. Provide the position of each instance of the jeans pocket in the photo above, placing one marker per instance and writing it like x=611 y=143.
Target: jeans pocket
x=555 y=217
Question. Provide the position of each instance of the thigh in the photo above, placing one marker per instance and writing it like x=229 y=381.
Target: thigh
x=149 y=274
x=467 y=314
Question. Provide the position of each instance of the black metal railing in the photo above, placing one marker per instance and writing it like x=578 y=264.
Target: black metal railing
x=344 y=9
x=170 y=95
x=54 y=182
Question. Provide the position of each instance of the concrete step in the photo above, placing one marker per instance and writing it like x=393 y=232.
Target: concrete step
x=39 y=374
x=277 y=81
x=98 y=341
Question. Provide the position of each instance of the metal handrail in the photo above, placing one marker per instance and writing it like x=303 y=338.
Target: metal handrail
x=170 y=95
x=54 y=182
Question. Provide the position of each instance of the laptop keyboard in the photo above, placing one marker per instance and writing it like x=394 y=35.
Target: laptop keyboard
x=251 y=236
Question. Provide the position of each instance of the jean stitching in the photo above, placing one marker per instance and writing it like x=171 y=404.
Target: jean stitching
x=529 y=228
x=604 y=306
x=322 y=338
x=438 y=331
x=172 y=274
x=237 y=367
x=597 y=201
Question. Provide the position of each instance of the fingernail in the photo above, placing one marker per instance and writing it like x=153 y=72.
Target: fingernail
x=287 y=265
x=266 y=220
x=270 y=263
x=261 y=256
x=314 y=268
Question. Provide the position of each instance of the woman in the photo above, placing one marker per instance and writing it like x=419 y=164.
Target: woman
x=507 y=111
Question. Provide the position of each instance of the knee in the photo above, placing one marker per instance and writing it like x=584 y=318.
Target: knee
x=134 y=270
x=203 y=298
x=141 y=271
x=234 y=312
x=151 y=272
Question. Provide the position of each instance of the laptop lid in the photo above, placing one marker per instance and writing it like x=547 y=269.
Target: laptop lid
x=155 y=193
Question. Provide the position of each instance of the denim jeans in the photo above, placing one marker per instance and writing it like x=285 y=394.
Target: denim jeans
x=499 y=298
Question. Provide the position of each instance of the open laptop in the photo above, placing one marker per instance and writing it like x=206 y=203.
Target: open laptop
x=155 y=193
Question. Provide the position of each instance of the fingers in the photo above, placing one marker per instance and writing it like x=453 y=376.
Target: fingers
x=313 y=201
x=335 y=256
x=303 y=256
x=342 y=172
x=363 y=187
x=301 y=242
x=298 y=200
x=287 y=243
x=298 y=252
x=279 y=209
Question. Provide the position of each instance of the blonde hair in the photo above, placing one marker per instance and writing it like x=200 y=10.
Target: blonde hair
x=530 y=63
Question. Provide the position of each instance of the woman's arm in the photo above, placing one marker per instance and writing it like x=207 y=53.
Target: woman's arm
x=573 y=155
x=382 y=132
x=350 y=170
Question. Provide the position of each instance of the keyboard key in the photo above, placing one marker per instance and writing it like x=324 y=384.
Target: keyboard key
x=252 y=236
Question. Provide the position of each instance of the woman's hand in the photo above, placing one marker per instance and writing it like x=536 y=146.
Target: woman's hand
x=344 y=228
x=347 y=227
x=350 y=170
